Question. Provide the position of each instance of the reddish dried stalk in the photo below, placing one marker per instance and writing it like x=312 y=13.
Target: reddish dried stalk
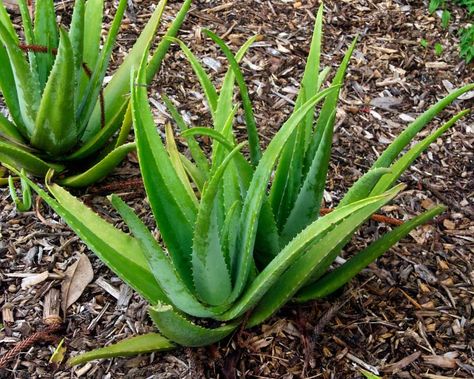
x=45 y=335
x=87 y=70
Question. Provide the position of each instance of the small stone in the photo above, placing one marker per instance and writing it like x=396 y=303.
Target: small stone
x=12 y=288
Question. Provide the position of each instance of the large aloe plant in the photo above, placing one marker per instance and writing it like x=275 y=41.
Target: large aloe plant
x=237 y=251
x=51 y=82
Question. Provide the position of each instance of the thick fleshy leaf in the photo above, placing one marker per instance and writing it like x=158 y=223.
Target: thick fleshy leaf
x=176 y=162
x=46 y=34
x=271 y=274
x=174 y=211
x=8 y=90
x=343 y=274
x=363 y=186
x=76 y=36
x=27 y=85
x=252 y=134
x=180 y=330
x=100 y=170
x=318 y=254
x=142 y=344
x=92 y=31
x=55 y=130
x=8 y=131
x=287 y=178
x=23 y=204
x=308 y=202
x=256 y=194
x=196 y=152
x=28 y=34
x=116 y=90
x=91 y=93
x=210 y=271
x=399 y=167
x=19 y=158
x=121 y=253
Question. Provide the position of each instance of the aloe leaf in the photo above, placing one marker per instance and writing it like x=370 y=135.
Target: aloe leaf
x=194 y=172
x=76 y=36
x=326 y=118
x=85 y=108
x=210 y=271
x=301 y=270
x=9 y=131
x=397 y=169
x=229 y=232
x=308 y=202
x=92 y=31
x=392 y=151
x=7 y=23
x=177 y=164
x=184 y=332
x=8 y=90
x=343 y=274
x=142 y=344
x=157 y=58
x=27 y=85
x=23 y=204
x=55 y=132
x=46 y=34
x=225 y=107
x=196 y=152
x=127 y=123
x=160 y=264
x=19 y=158
x=175 y=218
x=100 y=170
x=101 y=138
x=121 y=253
x=254 y=146
x=256 y=193
x=287 y=179
x=29 y=35
x=206 y=84
x=363 y=186
x=297 y=248
x=267 y=243
x=116 y=90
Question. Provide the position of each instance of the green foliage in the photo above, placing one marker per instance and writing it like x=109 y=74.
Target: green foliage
x=59 y=116
x=466 y=35
x=236 y=245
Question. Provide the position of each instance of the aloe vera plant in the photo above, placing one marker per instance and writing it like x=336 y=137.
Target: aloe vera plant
x=236 y=244
x=51 y=82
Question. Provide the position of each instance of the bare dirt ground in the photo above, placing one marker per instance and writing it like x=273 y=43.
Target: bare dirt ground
x=410 y=315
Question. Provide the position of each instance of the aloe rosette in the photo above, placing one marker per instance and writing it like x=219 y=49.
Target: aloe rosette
x=60 y=117
x=241 y=237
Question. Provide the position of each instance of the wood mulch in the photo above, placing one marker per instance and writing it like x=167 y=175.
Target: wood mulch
x=409 y=315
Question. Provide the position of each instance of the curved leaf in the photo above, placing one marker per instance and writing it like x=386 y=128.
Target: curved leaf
x=100 y=170
x=180 y=330
x=343 y=274
x=19 y=158
x=55 y=130
x=142 y=344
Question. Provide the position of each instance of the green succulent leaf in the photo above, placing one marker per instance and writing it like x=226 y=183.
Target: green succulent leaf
x=142 y=344
x=343 y=274
x=100 y=170
x=18 y=157
x=26 y=83
x=23 y=204
x=210 y=271
x=179 y=329
x=46 y=34
x=55 y=132
x=254 y=145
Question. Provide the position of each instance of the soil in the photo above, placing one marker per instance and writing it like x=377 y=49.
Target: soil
x=409 y=315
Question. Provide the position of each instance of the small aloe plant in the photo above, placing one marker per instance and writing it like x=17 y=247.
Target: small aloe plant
x=51 y=82
x=239 y=244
